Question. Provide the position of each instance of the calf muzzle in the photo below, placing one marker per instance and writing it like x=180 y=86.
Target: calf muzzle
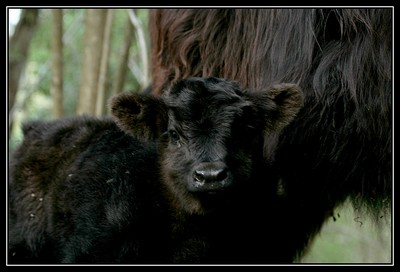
x=210 y=177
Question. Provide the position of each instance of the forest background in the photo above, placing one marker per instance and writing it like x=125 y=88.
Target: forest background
x=65 y=62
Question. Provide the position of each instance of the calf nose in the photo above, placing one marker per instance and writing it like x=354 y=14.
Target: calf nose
x=210 y=176
x=210 y=172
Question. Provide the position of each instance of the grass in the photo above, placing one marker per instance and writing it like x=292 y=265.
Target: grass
x=351 y=239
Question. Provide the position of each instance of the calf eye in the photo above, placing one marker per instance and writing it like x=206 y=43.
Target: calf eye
x=174 y=136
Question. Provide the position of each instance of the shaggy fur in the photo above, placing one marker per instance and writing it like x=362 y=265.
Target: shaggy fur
x=340 y=145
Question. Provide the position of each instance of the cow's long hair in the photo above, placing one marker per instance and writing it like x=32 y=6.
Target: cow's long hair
x=340 y=146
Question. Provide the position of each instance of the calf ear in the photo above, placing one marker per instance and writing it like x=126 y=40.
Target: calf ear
x=143 y=116
x=282 y=102
x=279 y=106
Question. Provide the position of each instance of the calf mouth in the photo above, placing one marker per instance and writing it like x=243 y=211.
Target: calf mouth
x=210 y=188
x=212 y=195
x=212 y=201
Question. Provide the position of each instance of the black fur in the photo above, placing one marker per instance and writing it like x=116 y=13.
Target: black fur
x=340 y=146
x=171 y=181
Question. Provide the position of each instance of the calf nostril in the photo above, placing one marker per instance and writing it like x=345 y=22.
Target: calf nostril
x=199 y=176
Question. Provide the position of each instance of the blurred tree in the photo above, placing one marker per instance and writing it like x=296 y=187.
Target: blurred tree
x=123 y=59
x=56 y=87
x=93 y=44
x=143 y=73
x=18 y=48
x=35 y=96
x=103 y=73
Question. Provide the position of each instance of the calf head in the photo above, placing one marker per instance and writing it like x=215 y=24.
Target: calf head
x=211 y=135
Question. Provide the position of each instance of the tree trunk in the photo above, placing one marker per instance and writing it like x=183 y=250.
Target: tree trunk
x=123 y=61
x=144 y=76
x=102 y=84
x=18 y=51
x=94 y=31
x=56 y=87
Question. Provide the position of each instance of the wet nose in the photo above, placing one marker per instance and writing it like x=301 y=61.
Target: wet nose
x=210 y=176
x=210 y=173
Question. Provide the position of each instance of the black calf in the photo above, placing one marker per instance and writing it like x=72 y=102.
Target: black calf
x=175 y=180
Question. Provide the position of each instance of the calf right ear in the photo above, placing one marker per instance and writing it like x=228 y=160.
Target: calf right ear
x=143 y=116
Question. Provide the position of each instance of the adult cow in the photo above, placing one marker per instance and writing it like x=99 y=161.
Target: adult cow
x=340 y=146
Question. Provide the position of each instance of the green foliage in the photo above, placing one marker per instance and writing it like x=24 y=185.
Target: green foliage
x=351 y=238
x=40 y=51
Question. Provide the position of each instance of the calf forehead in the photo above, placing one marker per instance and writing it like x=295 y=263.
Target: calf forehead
x=205 y=115
x=204 y=102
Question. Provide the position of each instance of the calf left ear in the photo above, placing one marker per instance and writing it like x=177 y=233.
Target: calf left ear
x=142 y=116
x=288 y=99
x=279 y=104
